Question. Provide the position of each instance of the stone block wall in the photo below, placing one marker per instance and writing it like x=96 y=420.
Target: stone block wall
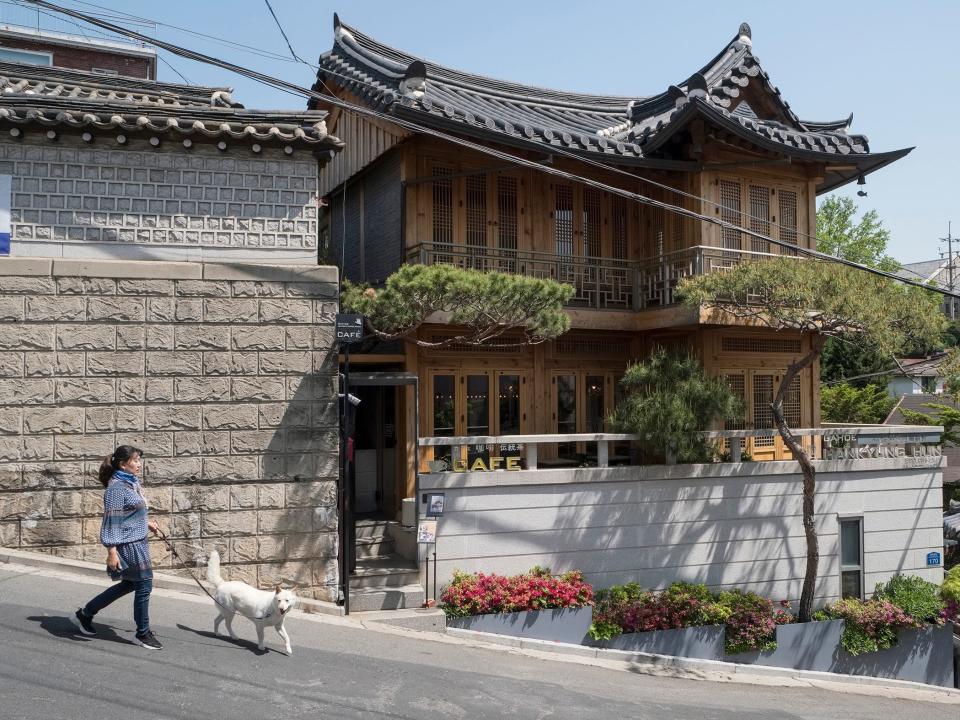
x=225 y=375
x=133 y=201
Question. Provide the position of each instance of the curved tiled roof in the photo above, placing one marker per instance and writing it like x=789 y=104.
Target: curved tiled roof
x=621 y=129
x=50 y=97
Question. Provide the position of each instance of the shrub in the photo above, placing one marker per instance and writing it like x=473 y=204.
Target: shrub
x=870 y=625
x=668 y=400
x=480 y=594
x=950 y=590
x=914 y=595
x=751 y=620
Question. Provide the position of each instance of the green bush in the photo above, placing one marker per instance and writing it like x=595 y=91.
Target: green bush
x=950 y=590
x=669 y=400
x=915 y=596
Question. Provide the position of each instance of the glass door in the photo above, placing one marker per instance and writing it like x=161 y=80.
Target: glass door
x=477 y=413
x=443 y=415
x=511 y=417
x=565 y=411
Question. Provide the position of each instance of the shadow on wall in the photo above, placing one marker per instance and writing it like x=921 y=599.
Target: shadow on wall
x=303 y=459
x=735 y=532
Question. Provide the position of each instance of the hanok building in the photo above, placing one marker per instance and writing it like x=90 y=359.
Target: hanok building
x=723 y=142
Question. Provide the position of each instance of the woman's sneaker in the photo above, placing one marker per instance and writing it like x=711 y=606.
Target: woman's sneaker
x=149 y=641
x=84 y=624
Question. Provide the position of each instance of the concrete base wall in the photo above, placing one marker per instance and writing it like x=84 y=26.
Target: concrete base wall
x=225 y=376
x=727 y=525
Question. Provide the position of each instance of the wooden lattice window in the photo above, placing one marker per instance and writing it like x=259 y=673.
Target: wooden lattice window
x=788 y=216
x=618 y=217
x=442 y=206
x=590 y=346
x=730 y=212
x=476 y=211
x=759 y=344
x=791 y=404
x=737 y=382
x=759 y=217
x=508 y=228
x=563 y=220
x=591 y=222
x=762 y=407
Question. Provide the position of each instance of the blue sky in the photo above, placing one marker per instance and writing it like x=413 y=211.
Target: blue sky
x=893 y=64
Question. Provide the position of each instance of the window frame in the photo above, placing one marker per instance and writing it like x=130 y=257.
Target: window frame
x=841 y=519
x=36 y=53
x=774 y=228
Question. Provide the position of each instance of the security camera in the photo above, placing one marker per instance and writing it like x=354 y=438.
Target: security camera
x=352 y=399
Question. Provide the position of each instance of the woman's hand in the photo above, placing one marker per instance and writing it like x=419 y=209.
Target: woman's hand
x=113 y=559
x=153 y=527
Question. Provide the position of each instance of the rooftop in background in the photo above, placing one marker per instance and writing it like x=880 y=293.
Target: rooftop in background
x=731 y=93
x=38 y=99
x=106 y=55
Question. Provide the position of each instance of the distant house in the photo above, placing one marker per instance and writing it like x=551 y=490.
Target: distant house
x=918 y=402
x=916 y=376
x=940 y=273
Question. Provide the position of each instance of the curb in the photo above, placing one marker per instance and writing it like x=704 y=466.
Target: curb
x=723 y=671
x=160 y=580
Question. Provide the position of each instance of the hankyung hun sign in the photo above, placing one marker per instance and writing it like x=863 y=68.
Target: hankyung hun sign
x=5 y=214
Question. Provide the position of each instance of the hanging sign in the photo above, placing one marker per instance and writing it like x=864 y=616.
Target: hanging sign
x=427 y=532
x=349 y=327
x=5 y=214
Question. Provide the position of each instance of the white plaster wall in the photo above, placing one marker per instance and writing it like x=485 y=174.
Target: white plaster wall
x=658 y=525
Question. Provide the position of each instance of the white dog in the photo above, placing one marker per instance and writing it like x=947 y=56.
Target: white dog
x=262 y=607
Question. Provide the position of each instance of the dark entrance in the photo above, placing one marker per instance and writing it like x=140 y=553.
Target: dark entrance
x=375 y=471
x=371 y=492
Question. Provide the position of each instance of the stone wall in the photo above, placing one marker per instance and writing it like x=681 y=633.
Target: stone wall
x=223 y=374
x=133 y=201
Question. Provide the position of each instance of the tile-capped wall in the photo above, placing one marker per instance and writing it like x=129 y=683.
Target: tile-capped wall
x=71 y=199
x=225 y=375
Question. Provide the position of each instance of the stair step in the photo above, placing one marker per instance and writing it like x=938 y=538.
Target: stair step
x=381 y=572
x=393 y=598
x=371 y=548
x=373 y=528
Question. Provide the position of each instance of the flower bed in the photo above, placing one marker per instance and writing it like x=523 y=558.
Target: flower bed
x=532 y=605
x=750 y=621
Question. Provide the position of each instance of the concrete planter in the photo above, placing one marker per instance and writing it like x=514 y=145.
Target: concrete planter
x=568 y=625
x=924 y=655
x=704 y=642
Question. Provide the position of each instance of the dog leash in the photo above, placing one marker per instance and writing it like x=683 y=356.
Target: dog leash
x=173 y=551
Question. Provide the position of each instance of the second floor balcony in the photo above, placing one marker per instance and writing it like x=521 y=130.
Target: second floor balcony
x=599 y=283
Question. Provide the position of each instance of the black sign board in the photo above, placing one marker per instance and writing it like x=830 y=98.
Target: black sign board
x=349 y=327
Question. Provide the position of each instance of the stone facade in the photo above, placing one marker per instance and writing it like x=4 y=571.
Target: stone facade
x=133 y=201
x=224 y=374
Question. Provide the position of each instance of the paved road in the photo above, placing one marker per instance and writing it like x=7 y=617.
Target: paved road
x=337 y=671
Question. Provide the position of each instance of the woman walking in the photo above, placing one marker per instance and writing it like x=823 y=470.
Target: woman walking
x=124 y=534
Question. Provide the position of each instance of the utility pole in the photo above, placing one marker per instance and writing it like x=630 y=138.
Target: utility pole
x=952 y=313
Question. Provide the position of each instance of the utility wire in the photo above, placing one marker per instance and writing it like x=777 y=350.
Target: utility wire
x=167 y=63
x=483 y=149
x=282 y=32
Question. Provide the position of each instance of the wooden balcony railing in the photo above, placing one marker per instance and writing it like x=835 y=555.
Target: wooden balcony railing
x=599 y=283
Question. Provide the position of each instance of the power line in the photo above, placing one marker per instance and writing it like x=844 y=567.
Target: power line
x=483 y=149
x=166 y=62
x=282 y=32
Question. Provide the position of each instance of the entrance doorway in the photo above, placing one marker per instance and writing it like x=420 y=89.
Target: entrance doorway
x=375 y=458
